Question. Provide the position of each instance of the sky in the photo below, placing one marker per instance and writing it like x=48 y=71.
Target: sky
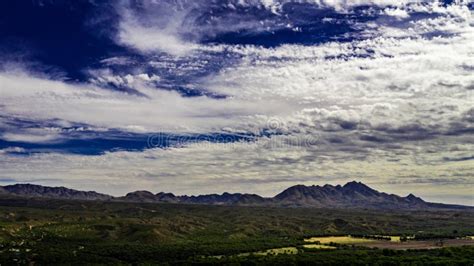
x=207 y=96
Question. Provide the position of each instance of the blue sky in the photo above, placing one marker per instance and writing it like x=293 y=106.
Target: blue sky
x=253 y=96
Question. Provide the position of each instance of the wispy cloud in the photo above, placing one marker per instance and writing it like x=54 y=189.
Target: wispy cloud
x=153 y=38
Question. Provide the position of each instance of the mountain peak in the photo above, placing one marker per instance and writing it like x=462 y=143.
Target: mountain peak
x=360 y=188
x=355 y=184
x=141 y=196
x=143 y=193
x=413 y=198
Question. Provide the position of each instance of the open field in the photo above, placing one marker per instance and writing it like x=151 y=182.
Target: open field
x=318 y=246
x=393 y=242
x=343 y=240
x=419 y=244
x=54 y=231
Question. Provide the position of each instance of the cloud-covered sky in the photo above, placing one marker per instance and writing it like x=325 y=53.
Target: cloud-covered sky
x=196 y=97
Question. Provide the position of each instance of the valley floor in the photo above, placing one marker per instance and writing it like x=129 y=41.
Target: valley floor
x=45 y=231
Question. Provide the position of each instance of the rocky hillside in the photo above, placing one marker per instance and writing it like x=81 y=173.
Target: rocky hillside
x=29 y=190
x=351 y=195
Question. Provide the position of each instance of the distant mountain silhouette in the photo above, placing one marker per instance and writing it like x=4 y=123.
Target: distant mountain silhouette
x=140 y=196
x=226 y=199
x=214 y=199
x=29 y=190
x=351 y=195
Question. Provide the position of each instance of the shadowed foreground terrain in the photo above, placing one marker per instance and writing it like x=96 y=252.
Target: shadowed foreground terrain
x=48 y=231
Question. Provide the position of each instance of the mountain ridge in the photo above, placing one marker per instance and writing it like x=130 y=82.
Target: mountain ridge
x=351 y=195
x=31 y=190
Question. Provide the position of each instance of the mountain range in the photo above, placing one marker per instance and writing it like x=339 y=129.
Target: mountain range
x=351 y=195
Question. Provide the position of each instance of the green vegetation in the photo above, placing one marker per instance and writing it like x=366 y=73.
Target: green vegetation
x=53 y=231
x=273 y=251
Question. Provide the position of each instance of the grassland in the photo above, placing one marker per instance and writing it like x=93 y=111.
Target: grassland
x=391 y=242
x=343 y=240
x=318 y=246
x=45 y=231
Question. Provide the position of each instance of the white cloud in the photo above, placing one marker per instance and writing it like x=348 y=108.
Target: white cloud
x=265 y=167
x=103 y=77
x=158 y=28
x=382 y=80
x=339 y=5
x=153 y=39
x=12 y=150
x=379 y=81
x=41 y=137
x=176 y=29
x=116 y=60
x=397 y=12
x=398 y=101
x=27 y=97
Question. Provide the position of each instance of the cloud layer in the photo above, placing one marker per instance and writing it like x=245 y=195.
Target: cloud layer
x=388 y=100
